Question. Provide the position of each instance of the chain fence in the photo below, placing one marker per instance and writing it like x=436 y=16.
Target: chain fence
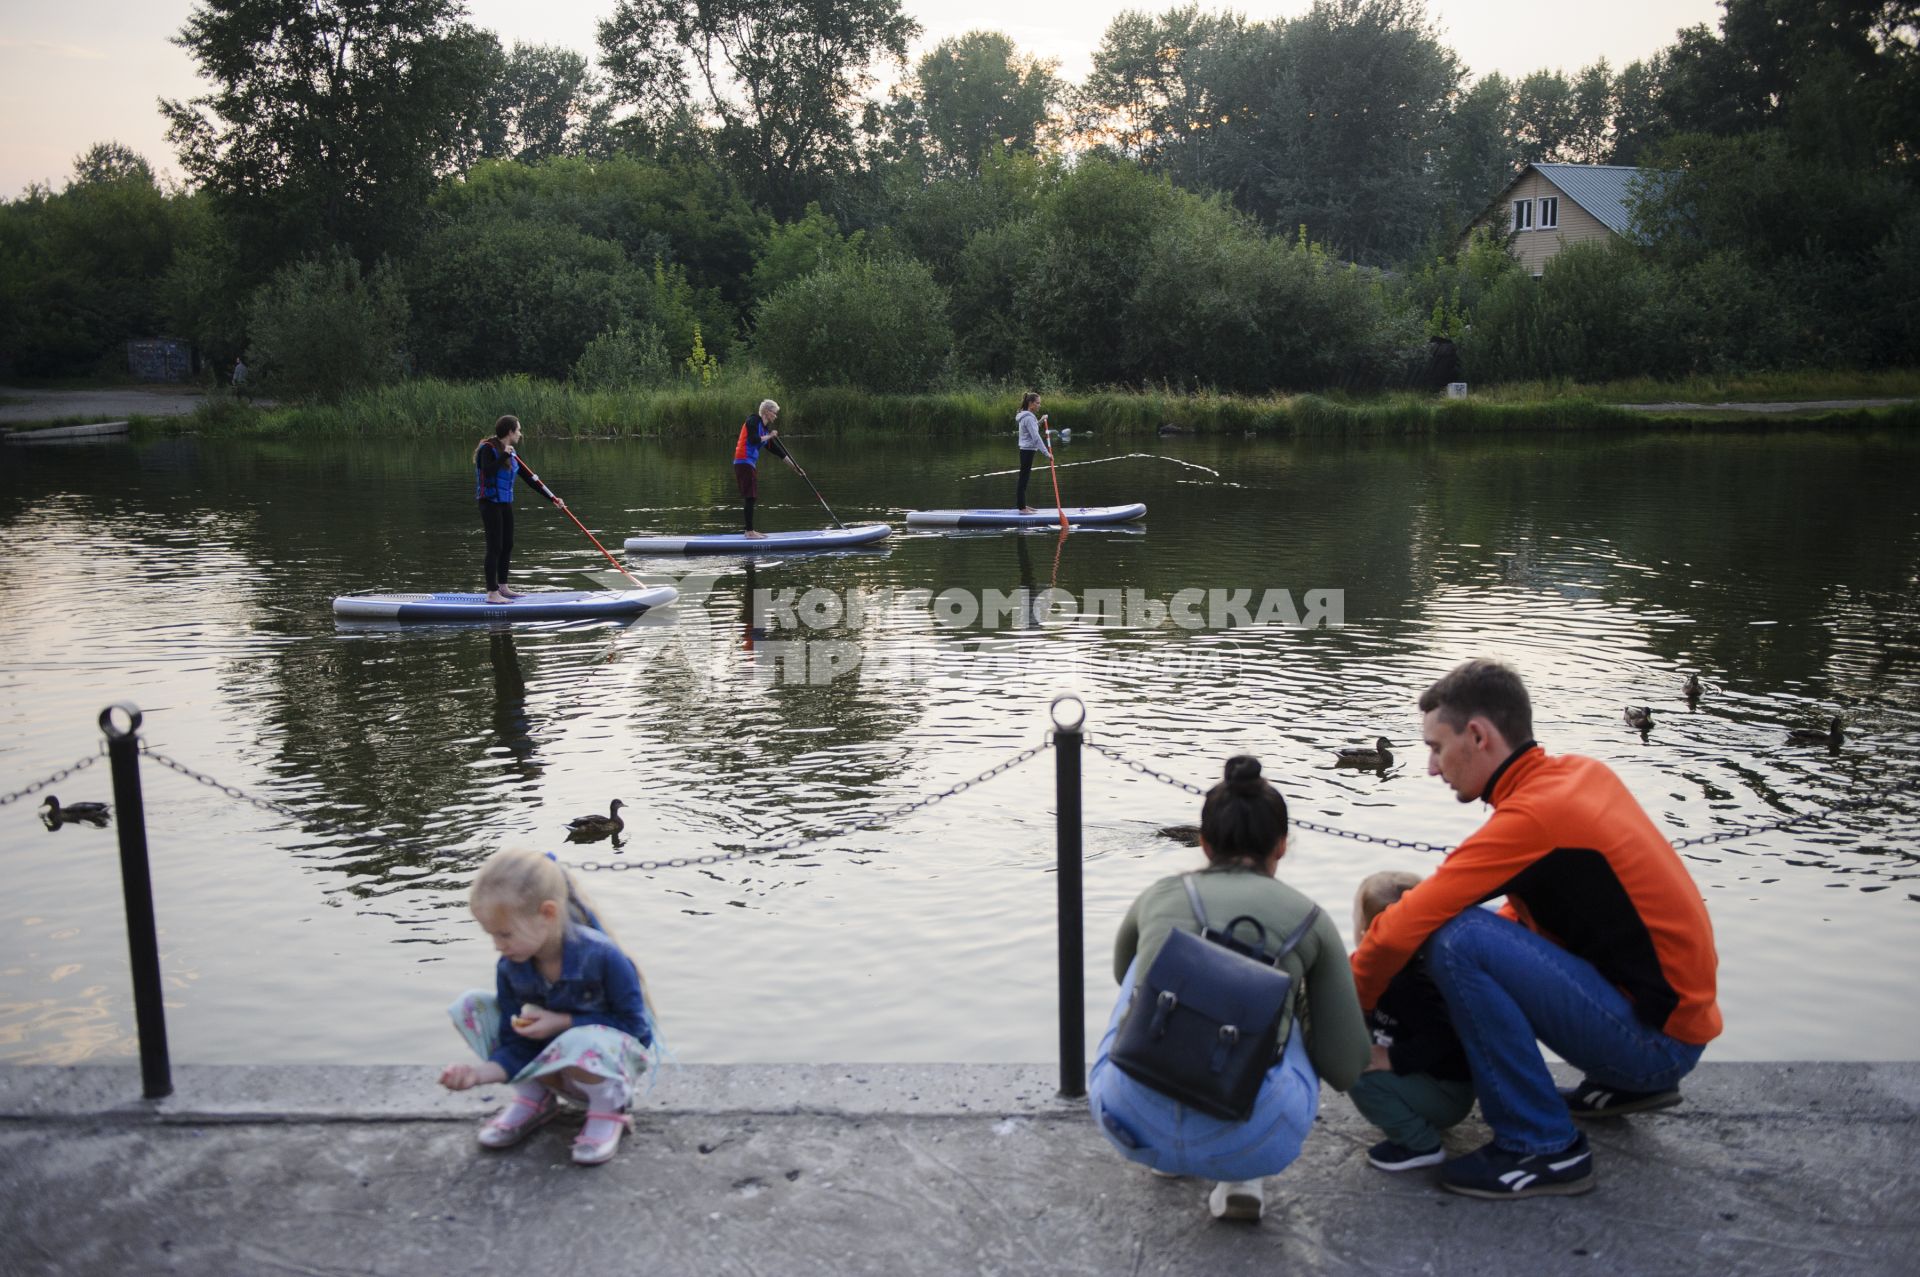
x=1414 y=844
x=308 y=821
x=27 y=791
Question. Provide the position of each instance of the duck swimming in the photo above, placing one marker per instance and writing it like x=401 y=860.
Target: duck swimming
x=1692 y=688
x=1831 y=738
x=588 y=828
x=96 y=813
x=1639 y=718
x=1379 y=757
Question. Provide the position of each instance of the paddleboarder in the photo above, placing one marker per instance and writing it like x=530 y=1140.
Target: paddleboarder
x=495 y=465
x=1032 y=441
x=755 y=434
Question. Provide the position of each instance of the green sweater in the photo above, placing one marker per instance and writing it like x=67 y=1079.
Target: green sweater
x=1337 y=1038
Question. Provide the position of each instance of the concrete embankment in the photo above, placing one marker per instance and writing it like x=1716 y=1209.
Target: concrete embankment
x=890 y=1169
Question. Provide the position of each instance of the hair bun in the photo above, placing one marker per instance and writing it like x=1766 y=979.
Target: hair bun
x=1243 y=771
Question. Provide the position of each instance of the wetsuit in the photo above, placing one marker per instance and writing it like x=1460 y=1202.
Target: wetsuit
x=494 y=470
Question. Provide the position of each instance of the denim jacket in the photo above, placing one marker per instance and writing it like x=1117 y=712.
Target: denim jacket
x=598 y=984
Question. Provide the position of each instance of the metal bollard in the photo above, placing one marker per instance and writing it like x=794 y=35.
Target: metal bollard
x=1066 y=750
x=143 y=940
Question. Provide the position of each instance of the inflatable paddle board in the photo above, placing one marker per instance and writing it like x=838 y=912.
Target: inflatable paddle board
x=741 y=543
x=1083 y=515
x=542 y=605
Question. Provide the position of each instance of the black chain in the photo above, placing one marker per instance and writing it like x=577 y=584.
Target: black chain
x=264 y=804
x=1414 y=844
x=825 y=835
x=56 y=778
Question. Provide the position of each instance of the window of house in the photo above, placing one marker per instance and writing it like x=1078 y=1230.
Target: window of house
x=1549 y=212
x=1523 y=215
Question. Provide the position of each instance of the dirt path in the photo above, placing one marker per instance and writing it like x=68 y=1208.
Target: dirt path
x=111 y=404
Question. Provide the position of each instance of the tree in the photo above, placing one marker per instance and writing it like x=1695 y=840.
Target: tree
x=977 y=94
x=329 y=121
x=877 y=325
x=544 y=101
x=110 y=162
x=1153 y=82
x=800 y=248
x=321 y=328
x=782 y=79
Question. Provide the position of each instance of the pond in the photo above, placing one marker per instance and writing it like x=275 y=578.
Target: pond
x=788 y=697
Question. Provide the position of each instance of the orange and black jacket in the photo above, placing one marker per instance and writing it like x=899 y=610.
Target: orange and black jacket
x=1581 y=864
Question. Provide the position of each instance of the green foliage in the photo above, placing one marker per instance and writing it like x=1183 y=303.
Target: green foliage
x=701 y=366
x=880 y=325
x=1599 y=312
x=800 y=248
x=321 y=329
x=326 y=123
x=977 y=96
x=632 y=355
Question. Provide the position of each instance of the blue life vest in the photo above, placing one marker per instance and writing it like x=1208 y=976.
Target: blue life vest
x=746 y=452
x=501 y=489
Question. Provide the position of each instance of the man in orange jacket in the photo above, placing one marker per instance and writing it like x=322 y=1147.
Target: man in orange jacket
x=1603 y=949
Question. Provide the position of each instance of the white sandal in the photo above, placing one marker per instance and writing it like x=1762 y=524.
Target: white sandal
x=588 y=1151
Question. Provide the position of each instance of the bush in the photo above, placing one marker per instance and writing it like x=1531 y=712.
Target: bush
x=632 y=355
x=320 y=329
x=881 y=326
x=1597 y=313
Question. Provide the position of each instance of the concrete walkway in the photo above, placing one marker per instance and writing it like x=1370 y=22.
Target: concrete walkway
x=891 y=1169
x=112 y=404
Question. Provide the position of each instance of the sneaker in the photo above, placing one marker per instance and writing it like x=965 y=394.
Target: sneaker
x=590 y=1147
x=521 y=1118
x=1243 y=1199
x=1592 y=1100
x=1389 y=1156
x=1496 y=1173
x=1157 y=1173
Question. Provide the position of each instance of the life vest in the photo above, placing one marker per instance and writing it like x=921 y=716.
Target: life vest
x=501 y=489
x=747 y=451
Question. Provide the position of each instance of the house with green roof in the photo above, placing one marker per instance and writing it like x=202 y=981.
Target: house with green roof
x=1549 y=206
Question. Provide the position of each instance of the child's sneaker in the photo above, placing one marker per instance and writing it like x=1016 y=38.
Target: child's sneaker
x=594 y=1146
x=521 y=1118
x=1496 y=1173
x=1592 y=1100
x=1389 y=1156
x=1242 y=1199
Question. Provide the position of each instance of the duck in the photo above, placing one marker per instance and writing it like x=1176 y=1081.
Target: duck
x=1831 y=738
x=587 y=828
x=1692 y=688
x=1639 y=718
x=95 y=812
x=1379 y=757
x=1186 y=835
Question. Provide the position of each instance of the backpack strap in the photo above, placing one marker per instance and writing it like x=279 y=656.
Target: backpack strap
x=1298 y=934
x=1193 y=896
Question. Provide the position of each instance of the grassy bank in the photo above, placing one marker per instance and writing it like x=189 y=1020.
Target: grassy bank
x=431 y=407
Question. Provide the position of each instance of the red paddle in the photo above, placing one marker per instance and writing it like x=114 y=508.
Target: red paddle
x=568 y=511
x=1055 y=471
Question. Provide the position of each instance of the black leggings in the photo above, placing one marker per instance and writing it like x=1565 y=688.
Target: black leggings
x=497 y=518
x=1026 y=472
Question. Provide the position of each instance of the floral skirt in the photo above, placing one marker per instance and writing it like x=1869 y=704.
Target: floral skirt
x=592 y=1048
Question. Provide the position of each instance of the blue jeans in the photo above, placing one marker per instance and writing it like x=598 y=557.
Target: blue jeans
x=1154 y=1130
x=1506 y=987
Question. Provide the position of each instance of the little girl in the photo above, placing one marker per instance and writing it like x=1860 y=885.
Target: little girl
x=1417 y=1083
x=561 y=982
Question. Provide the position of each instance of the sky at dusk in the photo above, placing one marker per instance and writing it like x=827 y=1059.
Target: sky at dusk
x=75 y=72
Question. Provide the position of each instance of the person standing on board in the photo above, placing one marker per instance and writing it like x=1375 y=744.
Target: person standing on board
x=1031 y=441
x=1603 y=950
x=755 y=435
x=495 y=465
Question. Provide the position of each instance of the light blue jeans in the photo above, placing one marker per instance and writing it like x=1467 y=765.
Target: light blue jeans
x=1153 y=1130
x=1506 y=987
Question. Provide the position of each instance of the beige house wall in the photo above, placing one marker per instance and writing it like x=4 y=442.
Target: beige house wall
x=1533 y=248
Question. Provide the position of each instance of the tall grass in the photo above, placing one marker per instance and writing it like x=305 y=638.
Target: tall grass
x=428 y=406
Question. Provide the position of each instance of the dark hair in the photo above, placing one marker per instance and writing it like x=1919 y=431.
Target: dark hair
x=1482 y=689
x=505 y=426
x=1243 y=816
x=1026 y=400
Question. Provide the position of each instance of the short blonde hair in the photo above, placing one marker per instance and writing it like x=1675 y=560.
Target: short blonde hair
x=766 y=404
x=1377 y=891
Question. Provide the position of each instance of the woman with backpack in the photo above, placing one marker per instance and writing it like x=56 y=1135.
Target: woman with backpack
x=1162 y=1023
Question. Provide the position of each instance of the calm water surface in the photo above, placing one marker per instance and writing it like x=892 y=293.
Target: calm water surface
x=193 y=577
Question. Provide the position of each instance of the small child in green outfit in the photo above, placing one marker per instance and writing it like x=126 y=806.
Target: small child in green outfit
x=1418 y=1083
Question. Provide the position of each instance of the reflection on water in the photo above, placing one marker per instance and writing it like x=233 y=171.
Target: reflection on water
x=789 y=694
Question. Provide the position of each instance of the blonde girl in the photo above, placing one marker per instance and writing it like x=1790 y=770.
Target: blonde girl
x=568 y=1014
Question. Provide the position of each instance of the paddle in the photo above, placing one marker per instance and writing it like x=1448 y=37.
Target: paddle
x=816 y=491
x=1055 y=472
x=568 y=511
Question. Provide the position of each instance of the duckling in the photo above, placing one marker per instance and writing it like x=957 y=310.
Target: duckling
x=1831 y=738
x=95 y=813
x=1692 y=688
x=593 y=828
x=1639 y=718
x=1378 y=758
